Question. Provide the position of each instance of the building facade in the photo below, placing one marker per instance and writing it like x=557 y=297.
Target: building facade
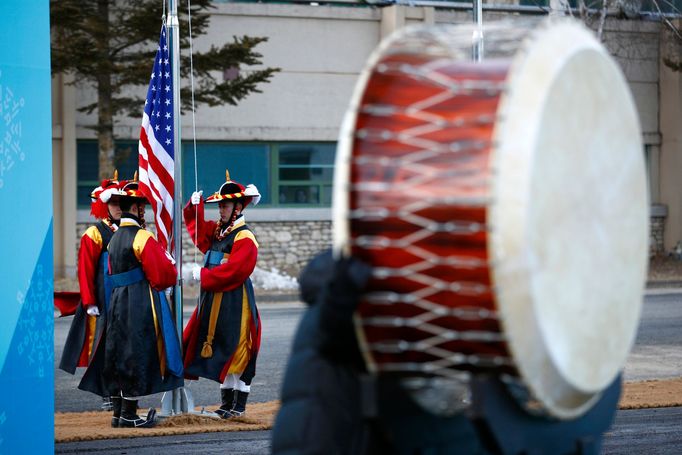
x=284 y=138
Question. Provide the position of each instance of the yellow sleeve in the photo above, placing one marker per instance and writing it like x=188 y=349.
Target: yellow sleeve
x=140 y=241
x=246 y=234
x=94 y=235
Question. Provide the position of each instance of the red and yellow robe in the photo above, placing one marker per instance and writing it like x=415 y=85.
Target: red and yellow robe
x=131 y=357
x=91 y=267
x=223 y=334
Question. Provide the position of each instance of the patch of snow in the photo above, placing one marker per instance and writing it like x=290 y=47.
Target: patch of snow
x=272 y=280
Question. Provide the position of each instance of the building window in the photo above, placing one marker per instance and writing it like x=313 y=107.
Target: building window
x=287 y=174
x=304 y=174
x=247 y=163
x=670 y=6
x=87 y=166
x=652 y=157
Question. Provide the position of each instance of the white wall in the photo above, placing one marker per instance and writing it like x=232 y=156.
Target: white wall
x=635 y=45
x=322 y=49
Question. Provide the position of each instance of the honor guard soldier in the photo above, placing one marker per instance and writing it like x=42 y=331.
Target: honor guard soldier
x=222 y=337
x=139 y=353
x=92 y=278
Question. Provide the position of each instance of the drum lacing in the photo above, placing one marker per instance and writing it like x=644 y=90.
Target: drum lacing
x=448 y=360
x=429 y=73
x=382 y=242
x=385 y=177
x=420 y=168
x=409 y=270
x=434 y=287
x=427 y=345
x=389 y=110
x=469 y=313
x=378 y=135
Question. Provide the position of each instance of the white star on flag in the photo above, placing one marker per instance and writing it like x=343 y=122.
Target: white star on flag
x=156 y=157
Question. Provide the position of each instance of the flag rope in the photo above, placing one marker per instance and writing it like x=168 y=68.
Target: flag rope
x=194 y=133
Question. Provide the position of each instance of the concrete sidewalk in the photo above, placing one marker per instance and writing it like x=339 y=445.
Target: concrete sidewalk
x=673 y=288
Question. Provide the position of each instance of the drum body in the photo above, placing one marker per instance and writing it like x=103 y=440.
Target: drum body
x=502 y=205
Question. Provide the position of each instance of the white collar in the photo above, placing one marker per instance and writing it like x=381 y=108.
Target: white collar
x=129 y=222
x=240 y=221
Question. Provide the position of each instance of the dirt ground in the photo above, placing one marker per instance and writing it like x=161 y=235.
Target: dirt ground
x=83 y=426
x=654 y=393
x=88 y=426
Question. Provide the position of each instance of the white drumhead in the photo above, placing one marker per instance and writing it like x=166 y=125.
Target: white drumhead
x=569 y=217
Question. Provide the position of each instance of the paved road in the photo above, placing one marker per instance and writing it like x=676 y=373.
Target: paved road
x=650 y=431
x=279 y=323
x=645 y=431
x=657 y=352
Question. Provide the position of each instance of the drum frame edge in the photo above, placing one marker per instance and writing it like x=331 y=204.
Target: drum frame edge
x=539 y=374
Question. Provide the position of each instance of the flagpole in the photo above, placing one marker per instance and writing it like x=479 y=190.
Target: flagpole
x=477 y=51
x=174 y=30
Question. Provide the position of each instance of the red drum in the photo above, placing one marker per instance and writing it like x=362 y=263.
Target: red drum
x=490 y=199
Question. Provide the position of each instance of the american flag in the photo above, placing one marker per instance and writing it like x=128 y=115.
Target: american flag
x=156 y=158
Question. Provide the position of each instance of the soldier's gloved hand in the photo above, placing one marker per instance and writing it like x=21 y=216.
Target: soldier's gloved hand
x=196 y=197
x=170 y=258
x=196 y=272
x=92 y=310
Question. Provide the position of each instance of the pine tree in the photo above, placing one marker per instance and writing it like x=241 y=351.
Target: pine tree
x=110 y=44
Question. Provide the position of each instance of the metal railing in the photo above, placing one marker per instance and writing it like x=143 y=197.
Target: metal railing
x=649 y=10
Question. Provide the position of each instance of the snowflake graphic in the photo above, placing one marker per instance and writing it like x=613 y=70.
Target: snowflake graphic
x=36 y=343
x=11 y=106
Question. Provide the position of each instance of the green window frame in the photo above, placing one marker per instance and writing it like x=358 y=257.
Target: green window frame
x=303 y=173
x=87 y=166
x=294 y=174
x=247 y=162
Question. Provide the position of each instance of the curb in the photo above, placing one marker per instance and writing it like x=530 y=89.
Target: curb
x=278 y=297
x=663 y=284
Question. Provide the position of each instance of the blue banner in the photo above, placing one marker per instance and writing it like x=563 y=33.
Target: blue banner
x=26 y=288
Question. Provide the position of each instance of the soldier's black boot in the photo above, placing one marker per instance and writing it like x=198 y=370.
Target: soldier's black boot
x=130 y=419
x=107 y=405
x=227 y=398
x=116 y=403
x=240 y=404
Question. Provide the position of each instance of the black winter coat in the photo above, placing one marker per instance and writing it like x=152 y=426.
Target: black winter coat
x=325 y=400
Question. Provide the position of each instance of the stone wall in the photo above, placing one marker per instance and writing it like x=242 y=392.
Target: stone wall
x=288 y=246
x=656 y=236
x=284 y=245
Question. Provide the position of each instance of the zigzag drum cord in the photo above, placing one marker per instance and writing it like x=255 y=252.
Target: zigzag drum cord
x=420 y=173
